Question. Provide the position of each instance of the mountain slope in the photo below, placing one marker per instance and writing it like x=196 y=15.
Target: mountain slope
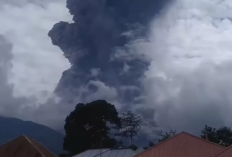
x=11 y=128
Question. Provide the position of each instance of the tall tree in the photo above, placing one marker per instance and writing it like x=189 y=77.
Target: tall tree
x=90 y=126
x=210 y=134
x=222 y=136
x=131 y=125
x=167 y=135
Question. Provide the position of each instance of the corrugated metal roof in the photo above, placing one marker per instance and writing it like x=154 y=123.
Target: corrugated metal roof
x=107 y=153
x=183 y=145
x=139 y=150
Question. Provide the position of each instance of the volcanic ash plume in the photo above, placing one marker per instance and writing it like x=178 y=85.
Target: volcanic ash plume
x=96 y=45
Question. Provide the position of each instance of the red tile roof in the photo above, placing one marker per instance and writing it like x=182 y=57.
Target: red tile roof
x=183 y=145
x=24 y=147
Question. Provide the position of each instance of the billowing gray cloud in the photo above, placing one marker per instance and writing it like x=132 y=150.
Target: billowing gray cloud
x=97 y=39
x=189 y=78
x=97 y=45
x=179 y=68
x=172 y=66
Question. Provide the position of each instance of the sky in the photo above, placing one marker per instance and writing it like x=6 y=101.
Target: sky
x=36 y=60
x=190 y=71
x=177 y=72
x=36 y=65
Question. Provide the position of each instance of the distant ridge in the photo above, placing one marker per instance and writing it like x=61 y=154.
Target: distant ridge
x=12 y=128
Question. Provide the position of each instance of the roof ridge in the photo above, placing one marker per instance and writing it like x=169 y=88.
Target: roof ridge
x=177 y=135
x=10 y=141
x=36 y=145
x=204 y=140
x=160 y=143
x=98 y=148
x=43 y=146
x=31 y=143
x=92 y=149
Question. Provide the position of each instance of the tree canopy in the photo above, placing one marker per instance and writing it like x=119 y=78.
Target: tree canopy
x=210 y=134
x=222 y=136
x=90 y=126
x=95 y=125
x=150 y=144
x=167 y=135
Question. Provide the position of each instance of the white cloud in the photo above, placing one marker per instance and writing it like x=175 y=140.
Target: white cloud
x=37 y=64
x=189 y=80
x=103 y=91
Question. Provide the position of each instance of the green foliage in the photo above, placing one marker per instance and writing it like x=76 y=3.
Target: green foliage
x=150 y=144
x=133 y=147
x=90 y=126
x=131 y=125
x=210 y=134
x=222 y=136
x=167 y=135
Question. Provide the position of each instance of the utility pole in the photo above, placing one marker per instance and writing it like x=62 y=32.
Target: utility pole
x=206 y=133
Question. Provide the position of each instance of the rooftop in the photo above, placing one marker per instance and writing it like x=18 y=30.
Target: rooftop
x=107 y=153
x=183 y=145
x=23 y=146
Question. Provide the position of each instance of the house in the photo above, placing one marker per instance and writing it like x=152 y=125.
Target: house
x=120 y=152
x=186 y=145
x=23 y=146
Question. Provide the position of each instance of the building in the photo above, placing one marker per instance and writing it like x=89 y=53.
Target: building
x=186 y=145
x=23 y=146
x=121 y=152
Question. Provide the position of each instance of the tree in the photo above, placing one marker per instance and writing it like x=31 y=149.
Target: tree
x=150 y=144
x=90 y=126
x=222 y=136
x=62 y=155
x=131 y=125
x=210 y=134
x=167 y=135
x=133 y=147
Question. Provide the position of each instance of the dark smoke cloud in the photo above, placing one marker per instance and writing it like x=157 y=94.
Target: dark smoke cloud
x=93 y=45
